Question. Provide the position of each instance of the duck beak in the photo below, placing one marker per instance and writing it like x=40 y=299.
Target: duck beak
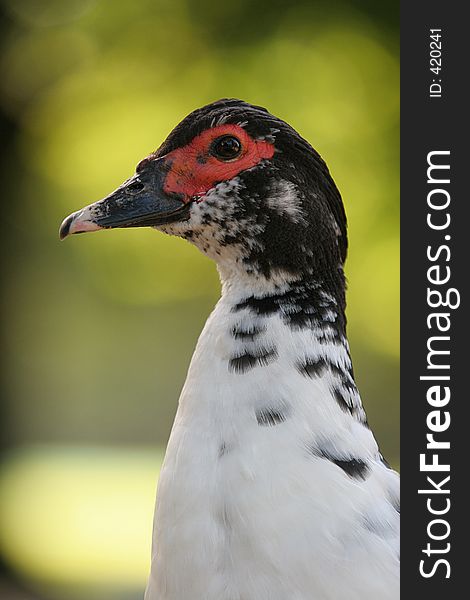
x=139 y=202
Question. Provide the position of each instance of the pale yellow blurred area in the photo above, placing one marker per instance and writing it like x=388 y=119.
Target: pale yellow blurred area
x=99 y=330
x=79 y=517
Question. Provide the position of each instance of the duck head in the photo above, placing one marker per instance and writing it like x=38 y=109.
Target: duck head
x=240 y=184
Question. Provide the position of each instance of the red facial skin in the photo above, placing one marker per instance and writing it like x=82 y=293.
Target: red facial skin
x=194 y=171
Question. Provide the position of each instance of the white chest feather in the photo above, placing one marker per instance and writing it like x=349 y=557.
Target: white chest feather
x=272 y=486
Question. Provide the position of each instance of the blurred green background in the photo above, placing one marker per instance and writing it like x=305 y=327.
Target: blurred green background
x=98 y=331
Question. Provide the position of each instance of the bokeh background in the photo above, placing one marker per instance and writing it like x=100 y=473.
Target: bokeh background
x=98 y=331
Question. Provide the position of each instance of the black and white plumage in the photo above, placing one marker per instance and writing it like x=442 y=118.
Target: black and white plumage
x=273 y=486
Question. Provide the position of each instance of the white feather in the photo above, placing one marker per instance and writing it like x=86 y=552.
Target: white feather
x=247 y=512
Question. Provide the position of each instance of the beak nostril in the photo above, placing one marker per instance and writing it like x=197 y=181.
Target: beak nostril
x=135 y=187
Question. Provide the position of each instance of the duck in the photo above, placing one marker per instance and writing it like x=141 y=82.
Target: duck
x=273 y=486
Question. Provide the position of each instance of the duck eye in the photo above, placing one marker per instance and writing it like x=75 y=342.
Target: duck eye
x=226 y=147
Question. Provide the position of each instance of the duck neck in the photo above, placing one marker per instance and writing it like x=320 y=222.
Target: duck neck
x=303 y=319
x=303 y=302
